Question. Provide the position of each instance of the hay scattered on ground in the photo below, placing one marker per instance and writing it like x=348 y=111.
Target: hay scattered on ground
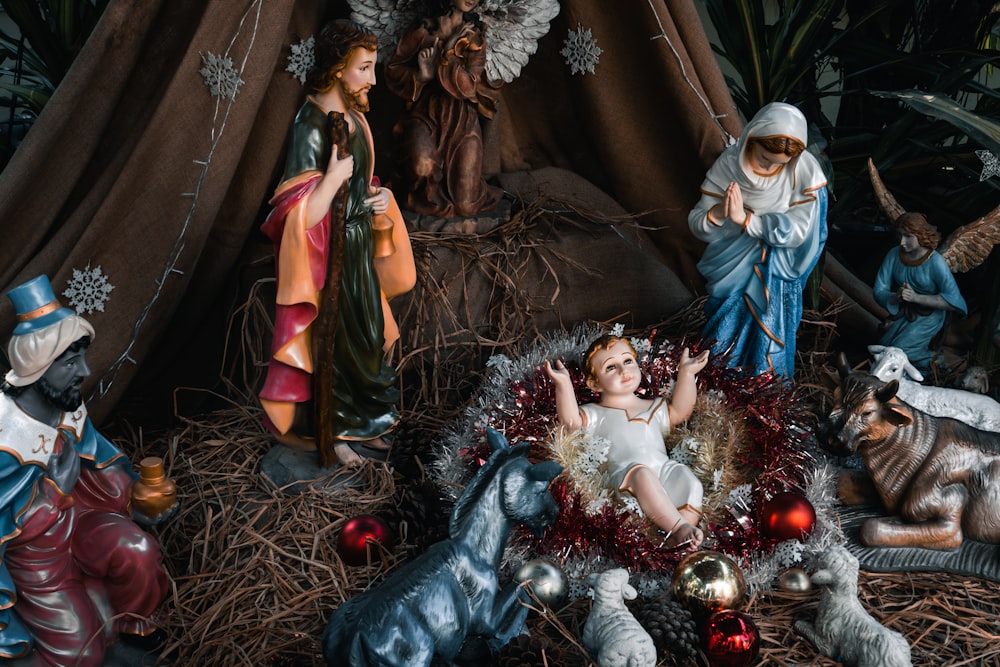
x=948 y=620
x=484 y=304
x=256 y=572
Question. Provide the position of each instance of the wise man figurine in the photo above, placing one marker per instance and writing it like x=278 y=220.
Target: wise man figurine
x=77 y=572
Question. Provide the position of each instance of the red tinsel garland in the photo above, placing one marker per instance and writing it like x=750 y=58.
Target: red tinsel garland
x=778 y=425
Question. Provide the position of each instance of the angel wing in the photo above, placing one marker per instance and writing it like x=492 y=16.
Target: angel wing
x=968 y=246
x=890 y=207
x=965 y=248
x=388 y=19
x=513 y=28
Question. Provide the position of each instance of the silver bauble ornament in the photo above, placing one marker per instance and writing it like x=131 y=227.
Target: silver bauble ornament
x=545 y=580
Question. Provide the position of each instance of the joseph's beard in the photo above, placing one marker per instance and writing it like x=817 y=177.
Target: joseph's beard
x=67 y=400
x=356 y=99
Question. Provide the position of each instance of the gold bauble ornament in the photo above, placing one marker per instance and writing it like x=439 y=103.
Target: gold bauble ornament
x=708 y=581
x=794 y=580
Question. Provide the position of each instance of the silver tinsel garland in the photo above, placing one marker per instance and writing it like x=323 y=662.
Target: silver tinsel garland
x=495 y=397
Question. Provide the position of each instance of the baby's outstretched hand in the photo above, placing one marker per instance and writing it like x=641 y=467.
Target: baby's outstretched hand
x=692 y=364
x=558 y=373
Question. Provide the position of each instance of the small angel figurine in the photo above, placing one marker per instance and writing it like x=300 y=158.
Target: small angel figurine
x=449 y=59
x=668 y=492
x=915 y=282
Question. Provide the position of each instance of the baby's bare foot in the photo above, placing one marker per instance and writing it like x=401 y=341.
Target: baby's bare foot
x=685 y=535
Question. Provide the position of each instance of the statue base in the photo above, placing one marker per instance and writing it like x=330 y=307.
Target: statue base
x=972 y=559
x=293 y=471
x=480 y=223
x=119 y=654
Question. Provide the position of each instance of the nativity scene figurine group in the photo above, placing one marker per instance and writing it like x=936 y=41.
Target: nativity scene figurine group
x=76 y=562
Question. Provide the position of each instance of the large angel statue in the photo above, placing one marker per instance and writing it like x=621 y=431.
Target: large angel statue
x=448 y=60
x=915 y=282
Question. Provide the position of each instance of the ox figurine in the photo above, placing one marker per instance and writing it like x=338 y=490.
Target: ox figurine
x=939 y=476
x=450 y=596
x=975 y=409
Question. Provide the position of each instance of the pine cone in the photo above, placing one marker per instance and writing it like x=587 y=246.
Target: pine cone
x=673 y=631
x=423 y=508
x=412 y=448
x=527 y=651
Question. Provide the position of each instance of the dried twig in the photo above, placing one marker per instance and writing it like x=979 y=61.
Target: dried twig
x=256 y=571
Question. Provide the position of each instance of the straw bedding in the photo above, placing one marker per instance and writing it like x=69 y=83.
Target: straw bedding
x=256 y=572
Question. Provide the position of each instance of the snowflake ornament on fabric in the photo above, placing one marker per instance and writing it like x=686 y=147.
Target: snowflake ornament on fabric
x=220 y=76
x=631 y=504
x=991 y=165
x=651 y=586
x=717 y=476
x=88 y=290
x=302 y=59
x=581 y=51
x=593 y=455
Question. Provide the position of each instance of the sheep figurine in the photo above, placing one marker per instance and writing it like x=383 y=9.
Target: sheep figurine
x=975 y=379
x=611 y=632
x=975 y=409
x=843 y=629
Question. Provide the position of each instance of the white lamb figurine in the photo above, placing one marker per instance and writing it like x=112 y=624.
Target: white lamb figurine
x=975 y=379
x=977 y=410
x=611 y=632
x=843 y=629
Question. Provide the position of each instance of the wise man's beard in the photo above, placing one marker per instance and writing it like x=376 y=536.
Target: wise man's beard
x=356 y=99
x=67 y=400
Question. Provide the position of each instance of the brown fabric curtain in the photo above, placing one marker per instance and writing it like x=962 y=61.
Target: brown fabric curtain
x=136 y=168
x=645 y=126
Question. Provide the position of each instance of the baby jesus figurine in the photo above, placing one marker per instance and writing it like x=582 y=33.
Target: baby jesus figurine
x=668 y=492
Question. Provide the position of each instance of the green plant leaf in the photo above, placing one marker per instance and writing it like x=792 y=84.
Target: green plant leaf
x=783 y=59
x=42 y=37
x=36 y=98
x=942 y=107
x=53 y=33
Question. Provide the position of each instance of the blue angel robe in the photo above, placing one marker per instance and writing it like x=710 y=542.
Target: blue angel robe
x=911 y=328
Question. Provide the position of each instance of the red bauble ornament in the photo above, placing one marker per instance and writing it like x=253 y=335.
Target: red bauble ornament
x=731 y=639
x=787 y=516
x=352 y=543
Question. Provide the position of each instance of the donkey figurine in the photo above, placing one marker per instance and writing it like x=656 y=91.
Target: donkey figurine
x=432 y=605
